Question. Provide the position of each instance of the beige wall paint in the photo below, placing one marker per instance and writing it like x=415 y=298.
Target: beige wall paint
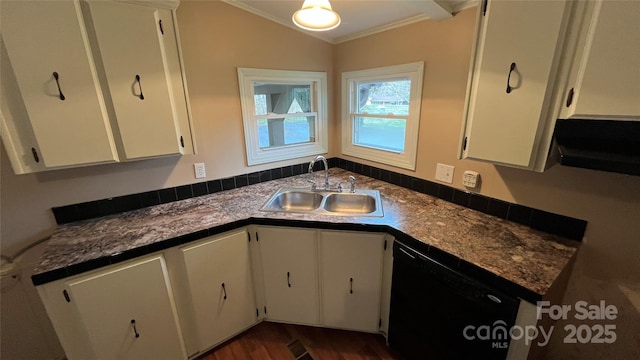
x=217 y=38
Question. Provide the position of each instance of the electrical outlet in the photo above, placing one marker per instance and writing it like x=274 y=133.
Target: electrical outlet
x=470 y=179
x=199 y=170
x=444 y=173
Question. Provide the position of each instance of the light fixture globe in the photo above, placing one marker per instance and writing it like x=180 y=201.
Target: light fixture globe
x=316 y=15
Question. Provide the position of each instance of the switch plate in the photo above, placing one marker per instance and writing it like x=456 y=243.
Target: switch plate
x=199 y=170
x=444 y=173
x=470 y=179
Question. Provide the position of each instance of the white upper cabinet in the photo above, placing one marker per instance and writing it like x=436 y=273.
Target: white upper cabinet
x=91 y=82
x=605 y=81
x=512 y=80
x=48 y=49
x=130 y=39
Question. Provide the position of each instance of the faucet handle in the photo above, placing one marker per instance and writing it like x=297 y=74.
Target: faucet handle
x=352 y=180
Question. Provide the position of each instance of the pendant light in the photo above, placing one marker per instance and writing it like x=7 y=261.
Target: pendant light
x=316 y=15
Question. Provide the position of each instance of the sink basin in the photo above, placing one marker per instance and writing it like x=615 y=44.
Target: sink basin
x=323 y=202
x=295 y=201
x=350 y=203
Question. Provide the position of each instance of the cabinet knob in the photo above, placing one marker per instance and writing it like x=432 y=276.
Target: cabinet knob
x=57 y=77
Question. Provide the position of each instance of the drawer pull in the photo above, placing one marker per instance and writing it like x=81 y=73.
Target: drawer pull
x=140 y=86
x=57 y=77
x=509 y=88
x=135 y=331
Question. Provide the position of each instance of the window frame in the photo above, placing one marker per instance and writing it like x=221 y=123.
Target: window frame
x=350 y=80
x=247 y=77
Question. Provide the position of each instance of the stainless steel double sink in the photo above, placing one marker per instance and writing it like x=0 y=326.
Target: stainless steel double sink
x=325 y=202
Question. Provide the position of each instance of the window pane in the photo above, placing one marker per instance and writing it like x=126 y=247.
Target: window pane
x=281 y=98
x=260 y=104
x=286 y=131
x=386 y=134
x=384 y=97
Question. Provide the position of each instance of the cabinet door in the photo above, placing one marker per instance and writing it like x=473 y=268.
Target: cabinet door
x=290 y=274
x=128 y=312
x=505 y=126
x=608 y=74
x=351 y=279
x=221 y=286
x=45 y=40
x=129 y=37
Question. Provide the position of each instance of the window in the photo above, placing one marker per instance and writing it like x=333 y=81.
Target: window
x=284 y=114
x=381 y=113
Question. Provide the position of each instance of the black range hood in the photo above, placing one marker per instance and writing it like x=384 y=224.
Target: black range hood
x=607 y=145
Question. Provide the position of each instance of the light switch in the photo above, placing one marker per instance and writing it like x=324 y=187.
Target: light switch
x=444 y=173
x=470 y=179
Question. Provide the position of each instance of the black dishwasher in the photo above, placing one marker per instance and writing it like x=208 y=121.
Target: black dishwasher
x=438 y=313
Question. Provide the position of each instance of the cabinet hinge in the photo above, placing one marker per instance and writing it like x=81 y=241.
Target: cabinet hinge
x=464 y=143
x=484 y=7
x=265 y=310
x=66 y=295
x=181 y=141
x=570 y=97
x=385 y=244
x=379 y=322
x=161 y=29
x=35 y=155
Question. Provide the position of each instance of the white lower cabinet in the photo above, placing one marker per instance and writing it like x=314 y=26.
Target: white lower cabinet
x=289 y=271
x=221 y=285
x=325 y=278
x=351 y=278
x=125 y=311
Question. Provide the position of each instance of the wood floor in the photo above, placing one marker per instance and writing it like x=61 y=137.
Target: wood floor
x=274 y=341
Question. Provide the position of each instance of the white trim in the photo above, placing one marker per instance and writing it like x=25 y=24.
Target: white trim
x=159 y=4
x=353 y=36
x=256 y=155
x=406 y=159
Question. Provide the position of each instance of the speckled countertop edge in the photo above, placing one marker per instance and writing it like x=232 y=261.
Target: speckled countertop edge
x=524 y=256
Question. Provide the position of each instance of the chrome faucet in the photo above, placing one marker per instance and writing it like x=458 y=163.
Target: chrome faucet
x=326 y=172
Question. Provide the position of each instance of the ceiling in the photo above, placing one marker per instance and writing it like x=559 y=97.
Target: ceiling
x=359 y=17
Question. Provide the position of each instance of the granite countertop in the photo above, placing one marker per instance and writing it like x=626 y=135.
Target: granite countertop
x=530 y=259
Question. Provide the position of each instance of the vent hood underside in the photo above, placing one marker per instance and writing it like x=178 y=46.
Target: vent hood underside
x=607 y=145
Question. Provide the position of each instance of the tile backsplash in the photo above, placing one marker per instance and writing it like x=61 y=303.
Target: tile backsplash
x=538 y=219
